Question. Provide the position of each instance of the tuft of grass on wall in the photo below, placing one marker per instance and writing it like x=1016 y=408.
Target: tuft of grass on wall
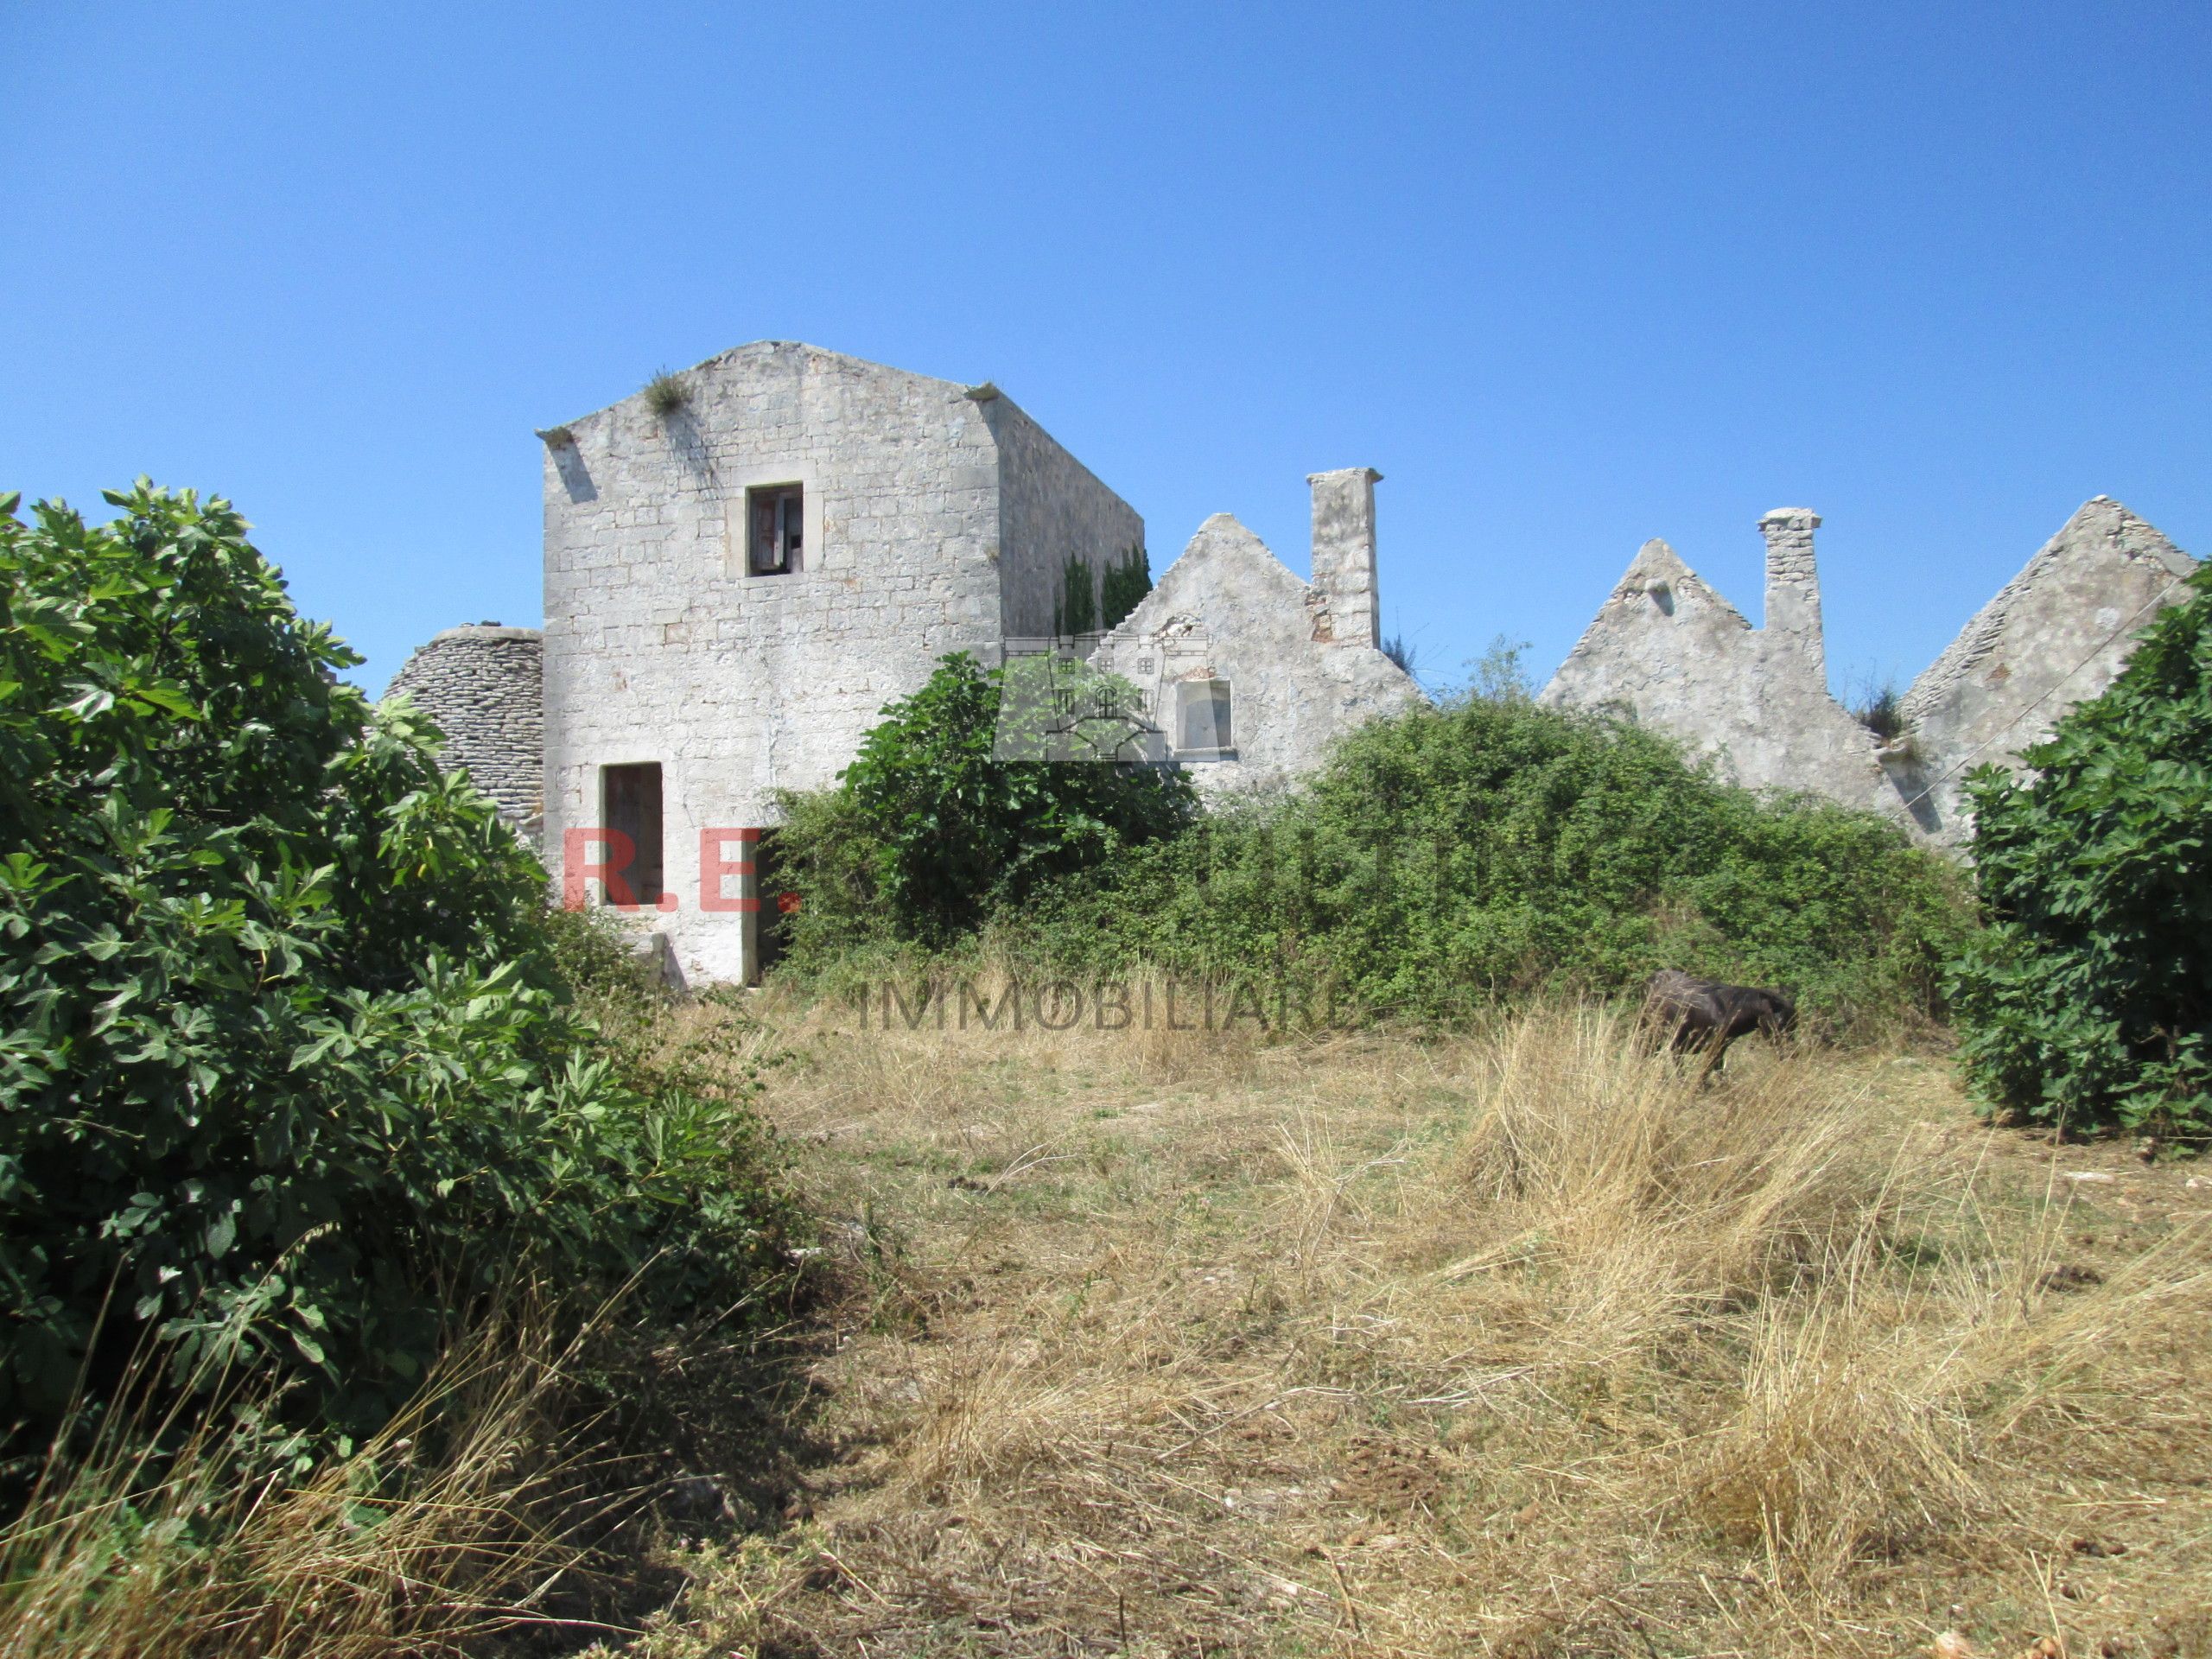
x=666 y=392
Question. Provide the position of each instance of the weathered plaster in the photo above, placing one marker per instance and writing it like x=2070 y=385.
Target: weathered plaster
x=1668 y=650
x=1343 y=556
x=659 y=646
x=1052 y=509
x=1229 y=609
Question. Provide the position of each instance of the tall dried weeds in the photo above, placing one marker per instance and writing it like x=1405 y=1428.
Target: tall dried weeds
x=1519 y=1343
x=428 y=1538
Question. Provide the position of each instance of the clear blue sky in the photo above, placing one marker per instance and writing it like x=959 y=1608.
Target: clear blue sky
x=1570 y=277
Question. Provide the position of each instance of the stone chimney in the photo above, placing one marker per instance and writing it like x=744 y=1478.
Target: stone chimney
x=1793 y=584
x=1344 y=553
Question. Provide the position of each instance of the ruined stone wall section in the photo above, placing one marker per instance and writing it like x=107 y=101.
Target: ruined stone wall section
x=1349 y=608
x=1229 y=609
x=1668 y=651
x=660 y=646
x=1792 y=588
x=2056 y=634
x=482 y=686
x=1052 y=508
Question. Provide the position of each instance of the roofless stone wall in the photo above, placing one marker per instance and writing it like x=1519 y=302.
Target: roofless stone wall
x=485 y=686
x=1668 y=651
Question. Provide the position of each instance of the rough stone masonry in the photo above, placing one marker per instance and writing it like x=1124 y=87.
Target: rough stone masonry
x=745 y=562
x=1669 y=653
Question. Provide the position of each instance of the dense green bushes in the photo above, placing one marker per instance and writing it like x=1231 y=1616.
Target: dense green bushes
x=1447 y=857
x=932 y=827
x=288 y=1073
x=2088 y=998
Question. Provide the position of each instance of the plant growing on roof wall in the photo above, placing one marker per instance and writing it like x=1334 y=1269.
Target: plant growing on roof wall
x=665 y=393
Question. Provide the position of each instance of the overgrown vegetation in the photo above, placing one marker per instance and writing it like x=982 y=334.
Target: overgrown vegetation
x=2087 y=1000
x=666 y=392
x=1879 y=706
x=291 y=1078
x=1123 y=588
x=932 y=828
x=1444 y=859
x=1093 y=600
x=1512 y=1343
x=1077 y=609
x=1402 y=651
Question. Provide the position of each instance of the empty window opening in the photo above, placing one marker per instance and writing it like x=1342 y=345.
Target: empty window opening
x=1202 y=726
x=630 y=809
x=777 y=513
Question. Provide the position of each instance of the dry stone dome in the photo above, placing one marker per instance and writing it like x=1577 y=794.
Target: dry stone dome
x=484 y=686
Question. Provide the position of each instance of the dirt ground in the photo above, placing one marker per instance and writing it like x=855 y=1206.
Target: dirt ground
x=1514 y=1343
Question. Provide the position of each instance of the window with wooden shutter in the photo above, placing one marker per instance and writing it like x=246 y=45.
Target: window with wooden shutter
x=776 y=532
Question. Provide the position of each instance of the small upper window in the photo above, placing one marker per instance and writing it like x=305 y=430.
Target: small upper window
x=1202 y=727
x=777 y=517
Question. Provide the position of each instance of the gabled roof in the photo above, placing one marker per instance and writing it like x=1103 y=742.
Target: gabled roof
x=2100 y=529
x=1654 y=563
x=1657 y=562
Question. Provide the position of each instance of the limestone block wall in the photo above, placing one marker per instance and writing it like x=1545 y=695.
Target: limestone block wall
x=1229 y=609
x=2057 y=633
x=1052 y=508
x=660 y=646
x=1668 y=650
x=482 y=687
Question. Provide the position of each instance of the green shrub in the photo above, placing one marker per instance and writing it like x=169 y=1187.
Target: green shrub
x=931 y=828
x=1447 y=857
x=1124 y=587
x=1076 y=610
x=667 y=392
x=288 y=1073
x=2087 y=1000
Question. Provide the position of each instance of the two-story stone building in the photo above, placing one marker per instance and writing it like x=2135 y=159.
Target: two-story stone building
x=747 y=562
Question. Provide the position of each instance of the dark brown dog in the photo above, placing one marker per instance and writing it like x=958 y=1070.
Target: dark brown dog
x=1692 y=1014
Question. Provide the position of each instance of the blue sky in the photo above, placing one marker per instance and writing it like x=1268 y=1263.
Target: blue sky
x=1570 y=277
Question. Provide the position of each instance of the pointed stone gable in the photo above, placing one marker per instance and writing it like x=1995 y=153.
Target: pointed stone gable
x=1230 y=612
x=1668 y=651
x=2055 y=635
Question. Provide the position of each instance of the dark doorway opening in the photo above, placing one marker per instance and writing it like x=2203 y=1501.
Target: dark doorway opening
x=778 y=903
x=630 y=806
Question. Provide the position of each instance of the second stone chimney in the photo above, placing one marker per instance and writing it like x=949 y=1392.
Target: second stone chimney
x=1344 y=553
x=1793 y=584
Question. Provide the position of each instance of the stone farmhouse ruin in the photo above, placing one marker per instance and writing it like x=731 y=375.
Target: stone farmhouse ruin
x=746 y=562
x=1671 y=653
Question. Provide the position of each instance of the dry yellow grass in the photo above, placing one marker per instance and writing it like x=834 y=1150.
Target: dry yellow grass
x=404 y=1546
x=1513 y=1343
